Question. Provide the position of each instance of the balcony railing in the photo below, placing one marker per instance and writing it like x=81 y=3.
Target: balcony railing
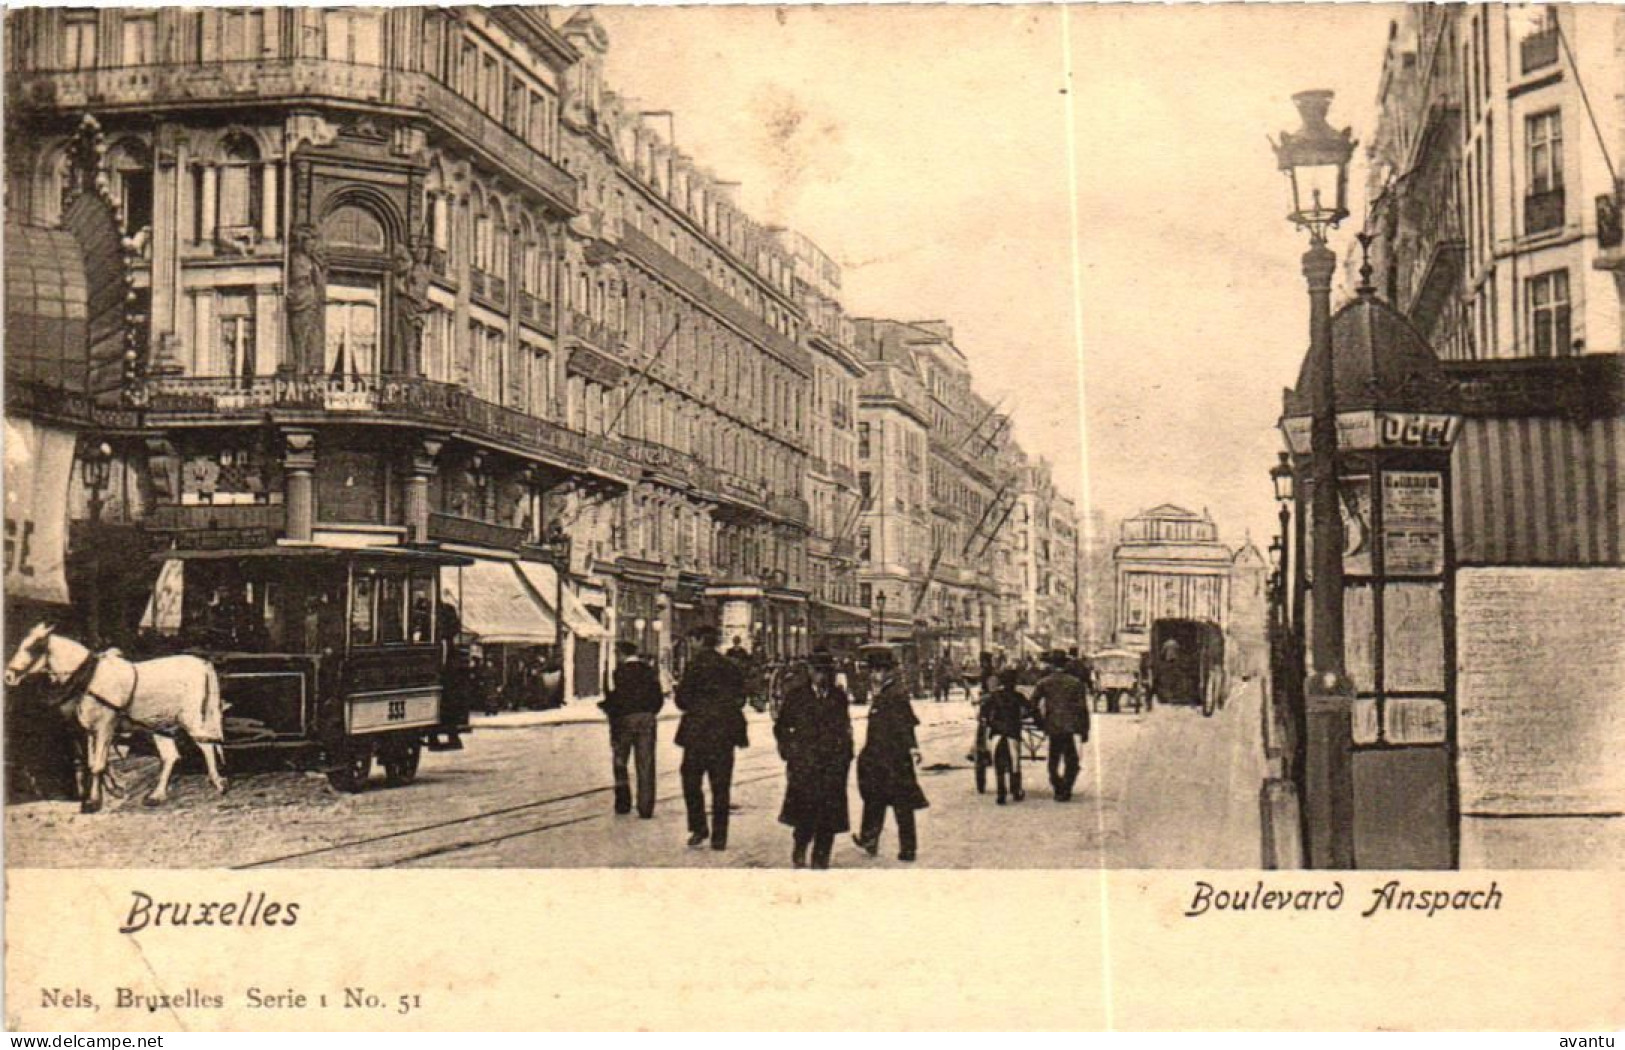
x=450 y=528
x=1543 y=211
x=599 y=334
x=1539 y=49
x=271 y=518
x=790 y=508
x=287 y=80
x=663 y=458
x=408 y=399
x=536 y=312
x=741 y=490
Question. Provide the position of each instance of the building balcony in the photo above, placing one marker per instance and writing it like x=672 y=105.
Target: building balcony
x=598 y=334
x=408 y=400
x=742 y=490
x=538 y=313
x=286 y=81
x=663 y=461
x=1543 y=212
x=450 y=528
x=1538 y=50
x=1441 y=267
x=843 y=475
x=791 y=508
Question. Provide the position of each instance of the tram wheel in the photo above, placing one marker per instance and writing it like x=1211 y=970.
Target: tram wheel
x=352 y=768
x=401 y=764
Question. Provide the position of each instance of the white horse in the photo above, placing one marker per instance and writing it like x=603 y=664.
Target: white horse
x=166 y=697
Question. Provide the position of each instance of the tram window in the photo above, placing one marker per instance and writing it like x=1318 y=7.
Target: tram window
x=278 y=616
x=323 y=618
x=219 y=607
x=362 y=621
x=420 y=615
x=391 y=609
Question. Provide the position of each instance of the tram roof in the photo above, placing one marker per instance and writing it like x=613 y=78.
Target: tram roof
x=287 y=552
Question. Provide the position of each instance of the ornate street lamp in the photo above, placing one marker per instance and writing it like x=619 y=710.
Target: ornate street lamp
x=1316 y=158
x=880 y=607
x=1281 y=478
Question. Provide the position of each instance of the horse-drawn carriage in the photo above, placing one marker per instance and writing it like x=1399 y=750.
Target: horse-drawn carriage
x=1187 y=663
x=337 y=652
x=1118 y=684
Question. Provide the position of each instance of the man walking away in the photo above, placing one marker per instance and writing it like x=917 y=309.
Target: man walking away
x=1002 y=712
x=814 y=732
x=1061 y=704
x=633 y=704
x=712 y=699
x=886 y=765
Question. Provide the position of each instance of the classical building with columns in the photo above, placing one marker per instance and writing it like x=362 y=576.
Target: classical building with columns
x=1170 y=565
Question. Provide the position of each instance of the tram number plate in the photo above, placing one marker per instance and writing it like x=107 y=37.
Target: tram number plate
x=400 y=709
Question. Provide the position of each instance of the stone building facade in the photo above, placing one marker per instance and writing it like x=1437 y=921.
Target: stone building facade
x=422 y=276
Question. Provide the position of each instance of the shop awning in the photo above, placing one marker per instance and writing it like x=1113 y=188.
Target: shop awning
x=497 y=604
x=579 y=622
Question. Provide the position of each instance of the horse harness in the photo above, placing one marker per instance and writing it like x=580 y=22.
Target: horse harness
x=78 y=682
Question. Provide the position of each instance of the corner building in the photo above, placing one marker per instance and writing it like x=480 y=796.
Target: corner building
x=418 y=275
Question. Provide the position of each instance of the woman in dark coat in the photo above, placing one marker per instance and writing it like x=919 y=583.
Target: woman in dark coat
x=886 y=766
x=814 y=733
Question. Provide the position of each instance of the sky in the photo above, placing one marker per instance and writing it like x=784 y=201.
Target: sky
x=1142 y=339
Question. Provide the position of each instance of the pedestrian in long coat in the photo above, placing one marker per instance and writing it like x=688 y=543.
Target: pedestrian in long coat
x=886 y=777
x=712 y=699
x=814 y=733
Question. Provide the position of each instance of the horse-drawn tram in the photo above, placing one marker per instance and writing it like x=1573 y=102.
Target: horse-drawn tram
x=340 y=652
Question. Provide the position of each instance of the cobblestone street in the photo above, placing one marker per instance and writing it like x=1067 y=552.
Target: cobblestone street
x=1165 y=789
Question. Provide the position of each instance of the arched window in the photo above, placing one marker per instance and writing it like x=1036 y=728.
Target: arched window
x=482 y=242
x=352 y=226
x=498 y=267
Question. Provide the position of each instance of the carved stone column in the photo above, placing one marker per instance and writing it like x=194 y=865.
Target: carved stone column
x=424 y=464
x=299 y=467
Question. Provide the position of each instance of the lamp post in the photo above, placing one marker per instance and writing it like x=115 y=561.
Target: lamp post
x=93 y=470
x=557 y=546
x=880 y=608
x=1316 y=158
x=1280 y=560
